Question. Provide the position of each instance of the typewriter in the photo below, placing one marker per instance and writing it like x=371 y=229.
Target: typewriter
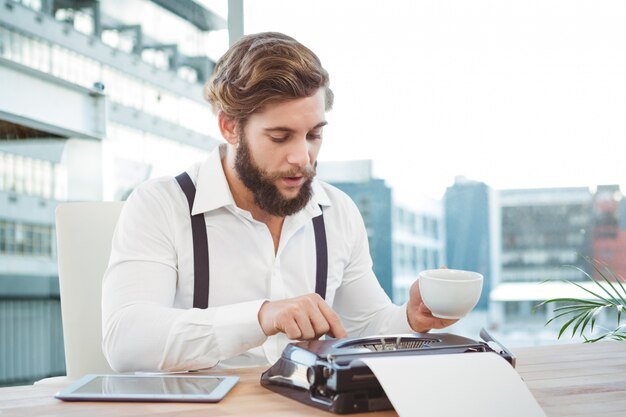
x=329 y=374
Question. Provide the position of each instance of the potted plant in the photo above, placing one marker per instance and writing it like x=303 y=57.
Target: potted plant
x=608 y=294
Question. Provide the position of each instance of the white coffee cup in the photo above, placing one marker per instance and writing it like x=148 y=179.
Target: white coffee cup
x=450 y=293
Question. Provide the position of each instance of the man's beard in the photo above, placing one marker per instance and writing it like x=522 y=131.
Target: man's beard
x=262 y=184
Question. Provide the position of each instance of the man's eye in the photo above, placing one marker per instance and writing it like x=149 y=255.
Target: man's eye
x=279 y=139
x=313 y=137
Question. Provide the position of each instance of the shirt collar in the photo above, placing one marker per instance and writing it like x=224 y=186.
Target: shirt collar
x=213 y=192
x=319 y=195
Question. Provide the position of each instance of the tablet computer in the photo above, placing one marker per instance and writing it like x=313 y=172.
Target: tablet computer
x=171 y=388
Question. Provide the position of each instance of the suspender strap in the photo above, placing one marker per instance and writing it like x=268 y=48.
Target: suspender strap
x=321 y=253
x=200 y=246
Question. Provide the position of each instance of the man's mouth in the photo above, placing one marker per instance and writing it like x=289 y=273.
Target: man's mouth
x=293 y=181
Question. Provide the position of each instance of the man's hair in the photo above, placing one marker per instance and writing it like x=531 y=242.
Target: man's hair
x=261 y=69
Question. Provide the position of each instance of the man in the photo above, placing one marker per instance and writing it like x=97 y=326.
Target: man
x=288 y=255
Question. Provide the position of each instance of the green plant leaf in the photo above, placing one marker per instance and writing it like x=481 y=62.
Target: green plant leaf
x=589 y=291
x=575 y=307
x=590 y=315
x=580 y=320
x=596 y=266
x=618 y=280
x=581 y=314
x=558 y=316
x=565 y=326
x=572 y=300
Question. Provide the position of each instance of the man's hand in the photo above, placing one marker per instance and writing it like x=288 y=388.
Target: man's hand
x=420 y=317
x=301 y=318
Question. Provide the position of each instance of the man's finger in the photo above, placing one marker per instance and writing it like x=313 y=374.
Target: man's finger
x=304 y=323
x=336 y=328
x=292 y=330
x=319 y=322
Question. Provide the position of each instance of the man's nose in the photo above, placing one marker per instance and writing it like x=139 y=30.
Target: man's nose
x=299 y=153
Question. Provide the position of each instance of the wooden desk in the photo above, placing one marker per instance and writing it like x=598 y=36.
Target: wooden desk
x=567 y=380
x=576 y=380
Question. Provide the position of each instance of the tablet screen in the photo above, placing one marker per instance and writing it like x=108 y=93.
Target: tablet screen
x=179 y=387
x=154 y=385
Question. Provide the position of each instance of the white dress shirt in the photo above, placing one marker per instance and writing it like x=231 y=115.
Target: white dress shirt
x=147 y=315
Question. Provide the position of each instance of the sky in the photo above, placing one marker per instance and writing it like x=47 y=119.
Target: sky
x=517 y=94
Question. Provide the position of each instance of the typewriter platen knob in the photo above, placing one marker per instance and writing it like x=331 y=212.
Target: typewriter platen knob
x=313 y=374
x=318 y=374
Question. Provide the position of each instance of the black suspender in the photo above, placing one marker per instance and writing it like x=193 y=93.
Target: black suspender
x=201 y=249
x=321 y=253
x=200 y=246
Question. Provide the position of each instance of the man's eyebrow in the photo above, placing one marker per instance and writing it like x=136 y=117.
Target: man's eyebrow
x=286 y=129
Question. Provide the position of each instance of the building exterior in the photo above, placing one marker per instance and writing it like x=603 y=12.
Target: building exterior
x=543 y=230
x=472 y=235
x=527 y=243
x=609 y=229
x=418 y=241
x=96 y=97
x=549 y=237
x=373 y=198
x=405 y=236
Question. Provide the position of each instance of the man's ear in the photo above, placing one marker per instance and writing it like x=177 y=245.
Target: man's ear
x=228 y=128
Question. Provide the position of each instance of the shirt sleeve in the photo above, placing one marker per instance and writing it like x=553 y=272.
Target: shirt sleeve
x=364 y=307
x=141 y=328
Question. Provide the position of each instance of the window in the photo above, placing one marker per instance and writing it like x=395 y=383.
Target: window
x=512 y=310
x=25 y=239
x=25 y=175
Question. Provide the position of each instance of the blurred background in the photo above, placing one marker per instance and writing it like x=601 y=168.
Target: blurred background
x=484 y=135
